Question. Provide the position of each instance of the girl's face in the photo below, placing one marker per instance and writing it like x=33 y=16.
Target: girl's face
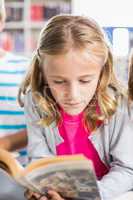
x=72 y=78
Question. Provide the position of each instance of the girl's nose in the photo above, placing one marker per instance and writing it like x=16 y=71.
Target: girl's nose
x=73 y=92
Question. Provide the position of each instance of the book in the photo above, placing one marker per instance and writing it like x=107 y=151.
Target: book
x=72 y=176
x=36 y=12
x=126 y=196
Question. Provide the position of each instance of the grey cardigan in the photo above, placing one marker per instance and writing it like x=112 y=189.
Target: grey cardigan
x=113 y=142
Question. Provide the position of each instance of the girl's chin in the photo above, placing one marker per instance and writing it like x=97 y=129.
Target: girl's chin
x=73 y=111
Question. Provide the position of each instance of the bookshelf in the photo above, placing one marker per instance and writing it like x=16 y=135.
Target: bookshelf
x=25 y=18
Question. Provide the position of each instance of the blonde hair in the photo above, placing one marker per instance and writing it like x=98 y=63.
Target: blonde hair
x=130 y=75
x=2 y=11
x=62 y=33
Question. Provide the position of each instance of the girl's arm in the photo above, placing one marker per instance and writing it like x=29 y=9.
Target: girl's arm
x=15 y=141
x=120 y=149
x=37 y=144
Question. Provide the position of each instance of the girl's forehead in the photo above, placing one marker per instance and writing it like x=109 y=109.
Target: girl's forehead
x=73 y=62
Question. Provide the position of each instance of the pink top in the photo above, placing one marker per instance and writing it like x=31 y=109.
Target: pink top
x=76 y=141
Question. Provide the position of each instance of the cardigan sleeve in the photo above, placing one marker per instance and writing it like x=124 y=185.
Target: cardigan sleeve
x=120 y=177
x=37 y=143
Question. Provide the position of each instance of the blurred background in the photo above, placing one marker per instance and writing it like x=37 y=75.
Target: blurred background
x=25 y=18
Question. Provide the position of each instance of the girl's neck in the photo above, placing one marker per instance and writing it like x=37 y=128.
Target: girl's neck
x=69 y=117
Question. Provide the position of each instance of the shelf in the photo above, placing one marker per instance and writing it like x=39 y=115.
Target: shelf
x=15 y=4
x=26 y=18
x=14 y=25
x=21 y=25
x=37 y=25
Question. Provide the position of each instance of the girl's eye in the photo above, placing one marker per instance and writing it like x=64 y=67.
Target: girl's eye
x=59 y=82
x=85 y=81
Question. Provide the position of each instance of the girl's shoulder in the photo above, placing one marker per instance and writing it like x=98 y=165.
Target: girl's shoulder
x=121 y=117
x=121 y=98
x=122 y=109
x=119 y=124
x=33 y=106
x=30 y=105
x=28 y=98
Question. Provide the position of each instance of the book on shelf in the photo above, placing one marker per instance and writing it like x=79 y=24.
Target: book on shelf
x=6 y=41
x=72 y=176
x=14 y=14
x=41 y=12
x=36 y=12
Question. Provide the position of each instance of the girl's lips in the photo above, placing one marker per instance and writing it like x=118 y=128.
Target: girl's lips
x=72 y=104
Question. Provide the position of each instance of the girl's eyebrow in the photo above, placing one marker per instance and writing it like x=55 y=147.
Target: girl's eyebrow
x=87 y=76
x=83 y=76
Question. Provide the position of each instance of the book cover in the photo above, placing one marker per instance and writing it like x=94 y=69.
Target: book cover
x=71 y=176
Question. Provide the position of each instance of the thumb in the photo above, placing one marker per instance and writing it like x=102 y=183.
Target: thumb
x=54 y=195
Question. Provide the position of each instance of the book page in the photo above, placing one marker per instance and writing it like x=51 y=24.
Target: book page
x=25 y=183
x=44 y=161
x=10 y=164
x=125 y=196
x=73 y=179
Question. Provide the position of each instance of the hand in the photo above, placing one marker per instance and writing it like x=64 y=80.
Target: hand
x=14 y=142
x=4 y=143
x=34 y=196
x=52 y=195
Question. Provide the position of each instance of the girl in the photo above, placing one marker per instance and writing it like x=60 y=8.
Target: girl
x=74 y=104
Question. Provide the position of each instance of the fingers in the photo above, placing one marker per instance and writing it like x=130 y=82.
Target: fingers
x=28 y=194
x=42 y=197
x=54 y=195
x=34 y=196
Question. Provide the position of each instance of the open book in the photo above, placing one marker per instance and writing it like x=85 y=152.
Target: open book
x=71 y=176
